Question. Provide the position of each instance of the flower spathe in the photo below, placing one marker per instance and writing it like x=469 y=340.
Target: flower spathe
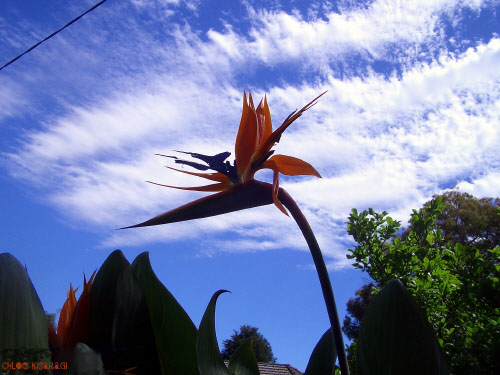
x=235 y=186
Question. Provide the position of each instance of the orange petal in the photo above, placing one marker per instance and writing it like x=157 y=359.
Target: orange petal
x=272 y=165
x=246 y=140
x=209 y=176
x=275 y=136
x=265 y=126
x=291 y=166
x=242 y=196
x=209 y=188
x=66 y=315
x=78 y=331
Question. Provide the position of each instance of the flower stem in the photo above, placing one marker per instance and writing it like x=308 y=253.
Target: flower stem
x=324 y=279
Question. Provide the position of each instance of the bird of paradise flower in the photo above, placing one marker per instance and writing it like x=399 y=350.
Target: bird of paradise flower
x=236 y=189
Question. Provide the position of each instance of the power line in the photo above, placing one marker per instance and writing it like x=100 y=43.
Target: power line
x=51 y=35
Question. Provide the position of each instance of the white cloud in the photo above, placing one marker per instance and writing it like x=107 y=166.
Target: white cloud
x=11 y=98
x=383 y=143
x=279 y=37
x=485 y=186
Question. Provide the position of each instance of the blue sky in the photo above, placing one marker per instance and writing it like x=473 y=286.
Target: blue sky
x=412 y=109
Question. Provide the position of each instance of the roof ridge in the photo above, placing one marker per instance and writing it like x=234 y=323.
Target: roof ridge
x=283 y=366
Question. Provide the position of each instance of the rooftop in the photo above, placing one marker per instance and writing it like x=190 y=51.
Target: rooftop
x=275 y=369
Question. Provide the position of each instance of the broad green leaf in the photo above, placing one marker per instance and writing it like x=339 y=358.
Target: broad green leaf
x=174 y=332
x=119 y=325
x=23 y=324
x=207 y=350
x=322 y=360
x=243 y=361
x=396 y=338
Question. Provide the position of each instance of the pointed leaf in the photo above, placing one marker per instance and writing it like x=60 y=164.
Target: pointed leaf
x=396 y=338
x=322 y=360
x=207 y=350
x=250 y=194
x=23 y=323
x=243 y=361
x=174 y=332
x=119 y=325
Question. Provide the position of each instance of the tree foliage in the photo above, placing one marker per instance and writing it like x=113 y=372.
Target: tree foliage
x=444 y=260
x=356 y=308
x=261 y=347
x=468 y=220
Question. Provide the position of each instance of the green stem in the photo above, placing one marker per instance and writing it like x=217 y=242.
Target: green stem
x=324 y=278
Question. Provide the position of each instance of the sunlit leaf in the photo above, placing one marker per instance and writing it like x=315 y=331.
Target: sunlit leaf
x=243 y=361
x=322 y=360
x=174 y=332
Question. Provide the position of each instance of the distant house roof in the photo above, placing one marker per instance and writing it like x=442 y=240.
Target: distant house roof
x=275 y=369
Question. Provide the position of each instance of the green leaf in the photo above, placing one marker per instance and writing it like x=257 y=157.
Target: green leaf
x=426 y=262
x=243 y=361
x=174 y=332
x=396 y=338
x=430 y=238
x=23 y=324
x=323 y=357
x=119 y=325
x=207 y=350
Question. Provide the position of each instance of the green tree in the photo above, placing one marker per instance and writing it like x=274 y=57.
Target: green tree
x=455 y=283
x=261 y=347
x=468 y=220
x=356 y=308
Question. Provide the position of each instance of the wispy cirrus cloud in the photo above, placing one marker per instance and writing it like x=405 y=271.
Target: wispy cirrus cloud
x=391 y=31
x=382 y=142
